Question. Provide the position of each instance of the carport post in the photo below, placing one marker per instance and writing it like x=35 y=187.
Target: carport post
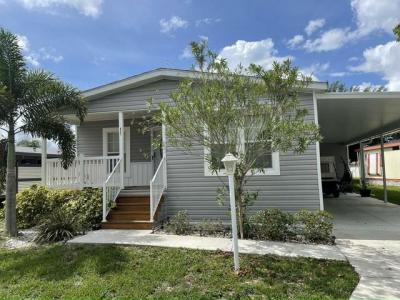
x=383 y=170
x=362 y=165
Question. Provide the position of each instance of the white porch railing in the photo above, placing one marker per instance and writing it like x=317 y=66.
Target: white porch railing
x=158 y=185
x=111 y=188
x=84 y=172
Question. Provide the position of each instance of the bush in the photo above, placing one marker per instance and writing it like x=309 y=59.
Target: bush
x=210 y=227
x=179 y=224
x=38 y=203
x=315 y=227
x=58 y=226
x=32 y=205
x=270 y=224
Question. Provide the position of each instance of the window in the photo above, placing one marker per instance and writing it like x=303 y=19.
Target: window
x=267 y=162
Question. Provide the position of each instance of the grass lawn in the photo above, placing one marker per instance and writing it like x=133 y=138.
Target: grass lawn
x=103 y=272
x=393 y=192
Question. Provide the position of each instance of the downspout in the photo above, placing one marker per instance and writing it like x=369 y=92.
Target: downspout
x=318 y=153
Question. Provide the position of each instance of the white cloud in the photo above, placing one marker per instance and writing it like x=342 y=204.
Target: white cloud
x=295 y=41
x=90 y=8
x=35 y=57
x=329 y=40
x=383 y=59
x=207 y=21
x=172 y=24
x=370 y=15
x=186 y=53
x=315 y=69
x=23 y=42
x=260 y=52
x=374 y=15
x=338 y=74
x=314 y=25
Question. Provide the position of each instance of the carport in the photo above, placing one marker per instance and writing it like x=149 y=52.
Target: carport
x=349 y=118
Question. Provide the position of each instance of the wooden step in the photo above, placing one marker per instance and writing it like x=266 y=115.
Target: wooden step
x=128 y=217
x=127 y=225
x=133 y=200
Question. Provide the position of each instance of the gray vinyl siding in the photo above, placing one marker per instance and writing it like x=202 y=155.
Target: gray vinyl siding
x=90 y=139
x=295 y=188
x=134 y=99
x=188 y=188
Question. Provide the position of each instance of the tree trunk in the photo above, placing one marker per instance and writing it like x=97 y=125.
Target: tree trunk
x=239 y=206
x=11 y=219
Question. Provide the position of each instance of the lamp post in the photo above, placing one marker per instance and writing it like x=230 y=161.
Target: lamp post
x=230 y=165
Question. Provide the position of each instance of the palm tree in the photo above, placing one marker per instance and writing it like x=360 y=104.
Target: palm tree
x=31 y=101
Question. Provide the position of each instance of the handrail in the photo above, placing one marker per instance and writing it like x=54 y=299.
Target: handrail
x=111 y=188
x=158 y=184
x=83 y=172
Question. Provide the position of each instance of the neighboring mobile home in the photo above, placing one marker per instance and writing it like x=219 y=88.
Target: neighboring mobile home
x=150 y=184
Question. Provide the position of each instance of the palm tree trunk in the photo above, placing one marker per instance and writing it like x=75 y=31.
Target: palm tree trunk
x=11 y=219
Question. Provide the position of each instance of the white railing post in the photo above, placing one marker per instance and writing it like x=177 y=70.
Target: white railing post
x=151 y=203
x=104 y=203
x=44 y=161
x=121 y=146
x=164 y=150
x=81 y=171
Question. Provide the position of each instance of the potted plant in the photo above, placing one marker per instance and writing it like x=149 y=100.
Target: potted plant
x=364 y=190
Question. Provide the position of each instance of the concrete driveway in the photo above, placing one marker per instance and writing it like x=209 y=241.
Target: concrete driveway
x=368 y=234
x=364 y=218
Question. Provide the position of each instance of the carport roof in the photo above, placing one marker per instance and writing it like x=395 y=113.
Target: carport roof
x=350 y=117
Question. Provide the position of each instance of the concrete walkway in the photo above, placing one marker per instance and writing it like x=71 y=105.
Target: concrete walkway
x=367 y=218
x=145 y=238
x=378 y=264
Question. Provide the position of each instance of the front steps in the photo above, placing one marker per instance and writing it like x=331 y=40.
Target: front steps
x=132 y=211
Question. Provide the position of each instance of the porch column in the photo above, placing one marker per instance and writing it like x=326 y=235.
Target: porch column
x=44 y=161
x=121 y=145
x=362 y=166
x=383 y=170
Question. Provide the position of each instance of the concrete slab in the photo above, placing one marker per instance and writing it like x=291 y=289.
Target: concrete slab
x=364 y=218
x=378 y=263
x=145 y=238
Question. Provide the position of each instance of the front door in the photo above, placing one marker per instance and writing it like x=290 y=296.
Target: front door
x=111 y=147
x=156 y=147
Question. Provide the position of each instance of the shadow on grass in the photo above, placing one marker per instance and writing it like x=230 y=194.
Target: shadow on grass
x=61 y=262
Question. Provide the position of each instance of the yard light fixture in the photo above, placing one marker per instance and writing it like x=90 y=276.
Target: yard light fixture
x=230 y=165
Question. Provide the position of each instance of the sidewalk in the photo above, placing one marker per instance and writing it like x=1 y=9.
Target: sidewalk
x=145 y=238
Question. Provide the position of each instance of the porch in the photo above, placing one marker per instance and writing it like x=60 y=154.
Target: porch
x=133 y=180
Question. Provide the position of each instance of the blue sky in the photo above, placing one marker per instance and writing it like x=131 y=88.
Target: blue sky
x=93 y=42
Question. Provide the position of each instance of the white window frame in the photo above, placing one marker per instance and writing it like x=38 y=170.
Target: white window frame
x=273 y=171
x=127 y=142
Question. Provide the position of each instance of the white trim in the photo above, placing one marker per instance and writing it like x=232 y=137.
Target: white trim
x=274 y=171
x=359 y=95
x=318 y=153
x=127 y=141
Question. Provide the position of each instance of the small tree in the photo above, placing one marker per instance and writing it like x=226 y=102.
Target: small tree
x=32 y=102
x=227 y=110
x=29 y=143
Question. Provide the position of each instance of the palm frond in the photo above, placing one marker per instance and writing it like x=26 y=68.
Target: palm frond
x=45 y=94
x=12 y=64
x=56 y=129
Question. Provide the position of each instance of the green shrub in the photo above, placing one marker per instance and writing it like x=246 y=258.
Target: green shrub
x=210 y=227
x=315 y=227
x=270 y=224
x=32 y=205
x=87 y=208
x=37 y=203
x=58 y=226
x=179 y=224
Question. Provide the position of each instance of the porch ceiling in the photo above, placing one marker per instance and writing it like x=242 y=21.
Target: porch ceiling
x=350 y=117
